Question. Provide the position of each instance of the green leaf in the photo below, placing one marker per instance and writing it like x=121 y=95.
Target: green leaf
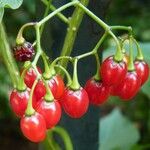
x=14 y=4
x=117 y=132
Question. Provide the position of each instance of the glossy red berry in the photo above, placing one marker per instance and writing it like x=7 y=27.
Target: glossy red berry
x=113 y=72
x=60 y=86
x=30 y=76
x=33 y=127
x=51 y=111
x=142 y=70
x=129 y=86
x=75 y=103
x=98 y=92
x=56 y=85
x=24 y=52
x=19 y=101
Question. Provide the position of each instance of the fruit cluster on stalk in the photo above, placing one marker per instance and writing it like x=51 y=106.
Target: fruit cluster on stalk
x=39 y=96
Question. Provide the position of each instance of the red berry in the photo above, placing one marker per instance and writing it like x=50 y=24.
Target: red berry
x=39 y=91
x=51 y=111
x=113 y=72
x=98 y=92
x=129 y=86
x=19 y=101
x=60 y=86
x=30 y=76
x=33 y=127
x=142 y=70
x=56 y=85
x=75 y=103
x=24 y=52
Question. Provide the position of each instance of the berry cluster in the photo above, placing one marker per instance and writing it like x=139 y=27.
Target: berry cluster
x=118 y=78
x=39 y=98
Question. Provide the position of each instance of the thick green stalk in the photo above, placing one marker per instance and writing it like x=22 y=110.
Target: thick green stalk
x=72 y=30
x=8 y=59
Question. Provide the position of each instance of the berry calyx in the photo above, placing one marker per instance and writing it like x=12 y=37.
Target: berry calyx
x=75 y=102
x=23 y=52
x=33 y=127
x=98 y=92
x=19 y=101
x=51 y=111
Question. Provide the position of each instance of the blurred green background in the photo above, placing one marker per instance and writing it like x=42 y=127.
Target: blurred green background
x=119 y=121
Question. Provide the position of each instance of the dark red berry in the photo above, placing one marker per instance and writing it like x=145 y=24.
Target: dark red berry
x=142 y=70
x=51 y=111
x=24 y=52
x=19 y=101
x=98 y=92
x=75 y=102
x=33 y=127
x=113 y=72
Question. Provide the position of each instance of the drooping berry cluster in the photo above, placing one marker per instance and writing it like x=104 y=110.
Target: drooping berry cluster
x=40 y=105
x=117 y=78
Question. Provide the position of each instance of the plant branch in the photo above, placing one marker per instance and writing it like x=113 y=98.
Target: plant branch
x=7 y=57
x=60 y=15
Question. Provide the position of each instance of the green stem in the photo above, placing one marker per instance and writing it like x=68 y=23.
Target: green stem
x=45 y=14
x=21 y=86
x=140 y=55
x=48 y=142
x=30 y=111
x=47 y=74
x=93 y=16
x=118 y=55
x=57 y=11
x=131 y=64
x=129 y=28
x=97 y=75
x=100 y=41
x=74 y=24
x=85 y=55
x=75 y=83
x=65 y=136
x=59 y=58
x=39 y=50
x=20 y=39
x=60 y=15
x=49 y=96
x=69 y=80
x=8 y=59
